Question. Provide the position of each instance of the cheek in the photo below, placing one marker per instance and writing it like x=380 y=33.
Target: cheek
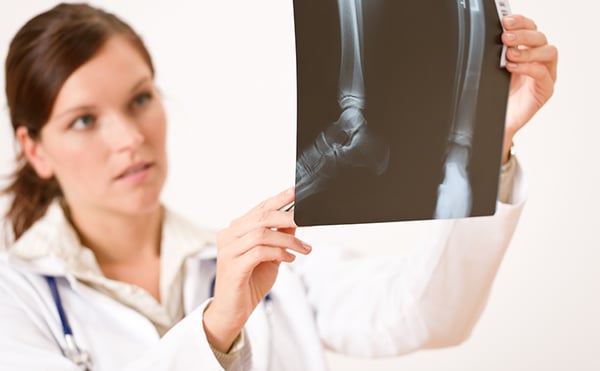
x=75 y=155
x=78 y=163
x=155 y=130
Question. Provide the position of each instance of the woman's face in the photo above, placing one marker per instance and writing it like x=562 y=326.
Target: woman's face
x=105 y=139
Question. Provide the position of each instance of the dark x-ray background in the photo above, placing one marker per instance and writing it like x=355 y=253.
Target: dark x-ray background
x=409 y=67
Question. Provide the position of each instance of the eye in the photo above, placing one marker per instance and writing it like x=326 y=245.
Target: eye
x=141 y=100
x=83 y=122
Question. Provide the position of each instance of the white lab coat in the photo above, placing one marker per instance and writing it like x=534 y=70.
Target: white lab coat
x=366 y=307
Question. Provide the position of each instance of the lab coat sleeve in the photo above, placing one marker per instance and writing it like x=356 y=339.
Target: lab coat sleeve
x=27 y=341
x=387 y=306
x=185 y=347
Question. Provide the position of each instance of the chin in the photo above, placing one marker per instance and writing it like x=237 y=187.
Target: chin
x=144 y=199
x=143 y=205
x=138 y=203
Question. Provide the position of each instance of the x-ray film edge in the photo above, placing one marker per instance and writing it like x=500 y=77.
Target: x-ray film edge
x=503 y=7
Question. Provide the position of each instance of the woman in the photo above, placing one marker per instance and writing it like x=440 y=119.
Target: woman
x=101 y=276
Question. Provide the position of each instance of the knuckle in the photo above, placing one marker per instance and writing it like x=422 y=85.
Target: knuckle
x=259 y=235
x=543 y=38
x=263 y=217
x=262 y=205
x=257 y=254
x=282 y=255
x=516 y=54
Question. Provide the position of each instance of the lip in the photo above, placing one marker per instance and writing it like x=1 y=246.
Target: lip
x=128 y=174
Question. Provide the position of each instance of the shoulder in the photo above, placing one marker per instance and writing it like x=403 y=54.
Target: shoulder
x=18 y=283
x=50 y=235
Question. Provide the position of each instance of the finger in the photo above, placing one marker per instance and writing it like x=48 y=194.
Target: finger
x=268 y=237
x=261 y=219
x=276 y=202
x=547 y=54
x=291 y=230
x=263 y=254
x=518 y=22
x=261 y=213
x=543 y=54
x=539 y=73
x=527 y=38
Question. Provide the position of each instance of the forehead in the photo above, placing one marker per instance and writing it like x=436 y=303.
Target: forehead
x=111 y=72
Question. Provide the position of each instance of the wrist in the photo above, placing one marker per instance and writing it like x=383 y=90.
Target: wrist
x=220 y=333
x=506 y=149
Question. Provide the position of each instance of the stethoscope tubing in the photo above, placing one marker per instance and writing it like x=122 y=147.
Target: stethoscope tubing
x=83 y=359
x=71 y=350
x=59 y=307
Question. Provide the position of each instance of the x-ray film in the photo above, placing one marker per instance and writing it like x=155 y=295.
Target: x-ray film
x=401 y=109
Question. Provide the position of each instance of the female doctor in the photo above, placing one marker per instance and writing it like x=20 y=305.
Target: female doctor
x=101 y=276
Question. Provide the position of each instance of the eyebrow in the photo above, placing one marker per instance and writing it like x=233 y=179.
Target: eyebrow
x=141 y=82
x=85 y=107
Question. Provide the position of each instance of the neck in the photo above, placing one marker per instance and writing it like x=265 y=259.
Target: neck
x=118 y=238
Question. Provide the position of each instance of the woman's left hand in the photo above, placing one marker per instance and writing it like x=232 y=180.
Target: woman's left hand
x=532 y=62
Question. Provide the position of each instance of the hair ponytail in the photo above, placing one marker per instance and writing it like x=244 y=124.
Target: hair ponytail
x=31 y=196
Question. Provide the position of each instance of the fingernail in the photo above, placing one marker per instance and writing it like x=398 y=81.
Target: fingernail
x=306 y=246
x=510 y=36
x=509 y=21
x=515 y=52
x=512 y=66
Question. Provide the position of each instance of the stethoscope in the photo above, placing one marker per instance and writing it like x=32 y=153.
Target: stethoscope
x=71 y=350
x=84 y=360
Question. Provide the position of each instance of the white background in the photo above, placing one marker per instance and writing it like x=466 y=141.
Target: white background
x=227 y=71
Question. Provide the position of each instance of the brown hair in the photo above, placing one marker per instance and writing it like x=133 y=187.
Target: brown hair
x=42 y=55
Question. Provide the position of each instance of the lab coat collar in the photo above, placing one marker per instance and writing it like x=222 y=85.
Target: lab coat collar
x=51 y=246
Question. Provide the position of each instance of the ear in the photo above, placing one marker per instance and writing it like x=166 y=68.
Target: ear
x=34 y=153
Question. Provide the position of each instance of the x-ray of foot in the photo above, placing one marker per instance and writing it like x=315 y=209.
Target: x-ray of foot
x=346 y=143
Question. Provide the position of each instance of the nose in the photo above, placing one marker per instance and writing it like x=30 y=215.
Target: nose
x=123 y=133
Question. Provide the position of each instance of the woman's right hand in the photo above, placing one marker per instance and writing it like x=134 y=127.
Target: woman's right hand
x=249 y=253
